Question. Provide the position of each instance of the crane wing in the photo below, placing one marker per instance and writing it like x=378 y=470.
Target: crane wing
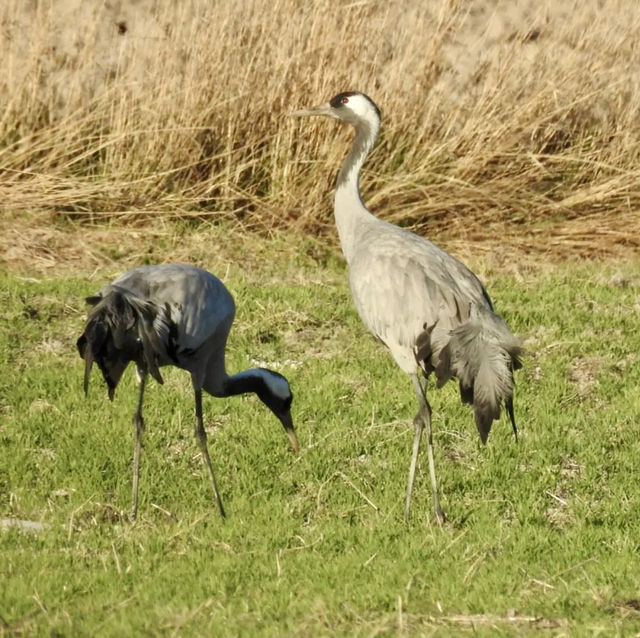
x=192 y=304
x=404 y=286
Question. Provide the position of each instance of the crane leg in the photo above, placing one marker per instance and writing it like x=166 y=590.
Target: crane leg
x=201 y=437
x=423 y=420
x=138 y=428
x=419 y=426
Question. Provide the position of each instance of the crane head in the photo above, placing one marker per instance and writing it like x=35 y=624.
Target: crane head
x=350 y=106
x=275 y=393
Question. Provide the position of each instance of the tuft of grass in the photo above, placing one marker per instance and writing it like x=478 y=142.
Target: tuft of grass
x=497 y=117
x=542 y=535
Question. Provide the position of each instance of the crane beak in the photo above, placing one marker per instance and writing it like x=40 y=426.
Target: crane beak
x=321 y=109
x=287 y=421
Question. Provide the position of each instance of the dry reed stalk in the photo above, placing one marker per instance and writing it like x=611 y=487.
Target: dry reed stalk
x=519 y=115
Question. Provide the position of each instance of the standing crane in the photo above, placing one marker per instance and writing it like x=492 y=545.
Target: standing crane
x=429 y=309
x=172 y=314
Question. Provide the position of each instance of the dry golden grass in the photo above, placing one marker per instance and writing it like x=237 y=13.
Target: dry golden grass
x=513 y=123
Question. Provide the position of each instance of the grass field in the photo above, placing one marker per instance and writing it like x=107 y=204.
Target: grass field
x=542 y=537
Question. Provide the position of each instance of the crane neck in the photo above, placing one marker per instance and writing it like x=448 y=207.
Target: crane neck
x=242 y=383
x=260 y=381
x=349 y=210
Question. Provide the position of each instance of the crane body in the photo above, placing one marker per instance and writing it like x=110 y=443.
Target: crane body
x=173 y=314
x=428 y=308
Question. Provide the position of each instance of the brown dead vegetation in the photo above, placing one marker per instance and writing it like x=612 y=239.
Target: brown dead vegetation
x=511 y=127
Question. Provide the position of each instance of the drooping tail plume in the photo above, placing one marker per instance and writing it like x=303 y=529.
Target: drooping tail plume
x=482 y=354
x=120 y=329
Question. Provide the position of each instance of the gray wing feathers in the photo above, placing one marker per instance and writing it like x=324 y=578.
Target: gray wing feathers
x=142 y=319
x=153 y=346
x=191 y=299
x=397 y=297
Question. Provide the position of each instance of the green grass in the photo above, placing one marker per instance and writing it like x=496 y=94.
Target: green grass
x=543 y=535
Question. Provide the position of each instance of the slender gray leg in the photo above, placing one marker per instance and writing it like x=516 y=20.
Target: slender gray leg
x=423 y=419
x=418 y=424
x=201 y=437
x=138 y=425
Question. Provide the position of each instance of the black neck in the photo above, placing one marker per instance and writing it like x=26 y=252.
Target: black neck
x=243 y=383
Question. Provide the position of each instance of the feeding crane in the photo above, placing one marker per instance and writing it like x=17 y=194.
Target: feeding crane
x=173 y=314
x=429 y=309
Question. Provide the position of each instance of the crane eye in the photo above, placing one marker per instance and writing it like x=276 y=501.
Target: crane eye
x=345 y=100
